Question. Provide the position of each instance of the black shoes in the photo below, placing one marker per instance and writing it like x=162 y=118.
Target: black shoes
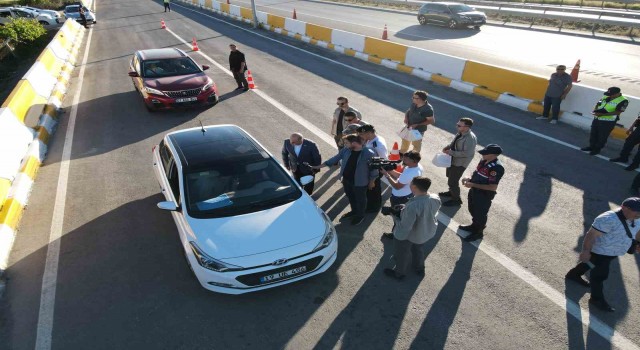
x=466 y=227
x=585 y=149
x=239 y=88
x=632 y=166
x=570 y=276
x=392 y=273
x=357 y=220
x=618 y=160
x=348 y=215
x=452 y=203
x=474 y=237
x=388 y=235
x=372 y=210
x=593 y=152
x=601 y=304
x=445 y=194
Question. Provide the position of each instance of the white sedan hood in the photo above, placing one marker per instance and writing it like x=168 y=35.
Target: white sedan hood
x=259 y=232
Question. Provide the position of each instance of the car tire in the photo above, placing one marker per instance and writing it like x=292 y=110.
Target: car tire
x=476 y=27
x=44 y=23
x=422 y=20
x=452 y=24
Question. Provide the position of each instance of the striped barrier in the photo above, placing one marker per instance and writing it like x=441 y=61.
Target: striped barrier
x=520 y=90
x=27 y=119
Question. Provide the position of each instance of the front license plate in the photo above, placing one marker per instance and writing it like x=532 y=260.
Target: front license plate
x=283 y=274
x=186 y=99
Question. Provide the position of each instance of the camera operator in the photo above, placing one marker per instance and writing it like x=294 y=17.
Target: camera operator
x=416 y=225
x=378 y=145
x=399 y=182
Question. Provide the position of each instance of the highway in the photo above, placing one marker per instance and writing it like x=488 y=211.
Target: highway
x=604 y=61
x=120 y=281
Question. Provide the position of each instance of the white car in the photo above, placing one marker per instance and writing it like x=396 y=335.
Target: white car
x=244 y=223
x=51 y=13
x=8 y=13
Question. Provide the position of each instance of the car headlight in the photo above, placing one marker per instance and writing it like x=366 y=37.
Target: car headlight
x=208 y=86
x=153 y=91
x=210 y=263
x=329 y=233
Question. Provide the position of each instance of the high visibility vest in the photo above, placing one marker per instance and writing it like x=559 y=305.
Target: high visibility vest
x=609 y=107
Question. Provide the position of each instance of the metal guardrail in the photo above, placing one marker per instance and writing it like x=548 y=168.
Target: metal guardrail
x=562 y=8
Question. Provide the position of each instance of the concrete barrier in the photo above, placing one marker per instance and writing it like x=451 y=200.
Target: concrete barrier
x=36 y=100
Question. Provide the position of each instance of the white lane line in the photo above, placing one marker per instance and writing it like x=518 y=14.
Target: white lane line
x=573 y=308
x=50 y=277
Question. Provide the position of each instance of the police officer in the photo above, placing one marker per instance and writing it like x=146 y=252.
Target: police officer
x=611 y=235
x=632 y=140
x=483 y=184
x=605 y=114
x=379 y=147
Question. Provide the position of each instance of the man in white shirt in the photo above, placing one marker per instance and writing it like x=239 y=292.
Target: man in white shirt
x=378 y=145
x=399 y=182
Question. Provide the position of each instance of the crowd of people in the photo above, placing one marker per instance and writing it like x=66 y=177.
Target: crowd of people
x=414 y=208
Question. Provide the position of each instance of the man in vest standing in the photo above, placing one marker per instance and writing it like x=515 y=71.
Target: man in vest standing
x=167 y=5
x=605 y=114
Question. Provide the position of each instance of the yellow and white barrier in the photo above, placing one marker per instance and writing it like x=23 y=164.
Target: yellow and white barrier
x=35 y=101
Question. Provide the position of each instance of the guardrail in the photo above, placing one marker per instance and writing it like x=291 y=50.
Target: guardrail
x=27 y=119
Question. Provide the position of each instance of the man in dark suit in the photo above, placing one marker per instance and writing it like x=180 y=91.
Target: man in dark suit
x=298 y=155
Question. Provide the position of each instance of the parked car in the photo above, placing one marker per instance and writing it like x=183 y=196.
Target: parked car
x=169 y=78
x=9 y=13
x=244 y=223
x=52 y=13
x=73 y=12
x=451 y=14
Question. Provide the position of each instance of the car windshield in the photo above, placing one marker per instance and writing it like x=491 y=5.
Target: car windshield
x=238 y=188
x=460 y=8
x=72 y=9
x=169 y=67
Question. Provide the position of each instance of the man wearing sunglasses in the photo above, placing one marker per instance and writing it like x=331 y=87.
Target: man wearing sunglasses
x=560 y=84
x=338 y=124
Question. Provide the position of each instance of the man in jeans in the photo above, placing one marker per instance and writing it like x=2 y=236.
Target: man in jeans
x=607 y=239
x=417 y=224
x=338 y=123
x=461 y=149
x=560 y=84
x=399 y=182
x=356 y=175
x=417 y=117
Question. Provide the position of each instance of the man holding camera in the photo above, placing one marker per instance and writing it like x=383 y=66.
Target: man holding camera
x=356 y=175
x=611 y=235
x=378 y=145
x=416 y=224
x=399 y=182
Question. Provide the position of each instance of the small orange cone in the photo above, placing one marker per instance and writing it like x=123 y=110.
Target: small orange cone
x=252 y=85
x=294 y=14
x=575 y=71
x=194 y=45
x=162 y=25
x=395 y=156
x=384 y=33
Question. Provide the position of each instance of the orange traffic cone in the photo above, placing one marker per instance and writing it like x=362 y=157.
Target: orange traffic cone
x=395 y=156
x=162 y=25
x=575 y=71
x=384 y=33
x=252 y=85
x=294 y=14
x=194 y=45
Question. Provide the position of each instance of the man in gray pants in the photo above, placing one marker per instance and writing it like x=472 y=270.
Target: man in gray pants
x=461 y=149
x=417 y=225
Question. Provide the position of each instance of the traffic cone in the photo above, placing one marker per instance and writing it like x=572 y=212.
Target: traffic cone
x=384 y=33
x=395 y=156
x=162 y=25
x=194 y=45
x=252 y=85
x=294 y=14
x=575 y=71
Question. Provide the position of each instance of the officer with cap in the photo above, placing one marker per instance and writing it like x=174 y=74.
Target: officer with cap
x=483 y=185
x=605 y=114
x=368 y=133
x=612 y=234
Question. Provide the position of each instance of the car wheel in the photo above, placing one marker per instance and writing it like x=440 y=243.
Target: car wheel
x=422 y=20
x=452 y=24
x=476 y=27
x=44 y=23
x=149 y=108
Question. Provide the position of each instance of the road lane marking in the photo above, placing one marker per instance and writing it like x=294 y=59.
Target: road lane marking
x=50 y=276
x=569 y=306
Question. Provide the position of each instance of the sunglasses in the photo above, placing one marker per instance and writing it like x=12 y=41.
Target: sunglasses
x=460 y=126
x=340 y=103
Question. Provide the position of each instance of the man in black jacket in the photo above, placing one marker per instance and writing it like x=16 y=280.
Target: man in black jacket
x=298 y=155
x=238 y=66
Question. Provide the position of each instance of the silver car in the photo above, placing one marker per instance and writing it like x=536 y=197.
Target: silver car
x=73 y=12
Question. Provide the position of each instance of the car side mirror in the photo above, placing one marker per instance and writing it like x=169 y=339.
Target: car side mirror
x=305 y=180
x=167 y=205
x=205 y=67
x=134 y=74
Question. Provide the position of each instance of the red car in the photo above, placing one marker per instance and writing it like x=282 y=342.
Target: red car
x=169 y=78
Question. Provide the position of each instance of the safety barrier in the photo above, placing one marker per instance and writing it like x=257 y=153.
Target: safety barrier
x=520 y=90
x=27 y=119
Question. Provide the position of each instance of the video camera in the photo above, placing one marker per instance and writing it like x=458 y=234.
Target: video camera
x=381 y=163
x=394 y=210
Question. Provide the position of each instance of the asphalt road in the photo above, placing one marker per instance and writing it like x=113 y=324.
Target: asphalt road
x=604 y=61
x=122 y=282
